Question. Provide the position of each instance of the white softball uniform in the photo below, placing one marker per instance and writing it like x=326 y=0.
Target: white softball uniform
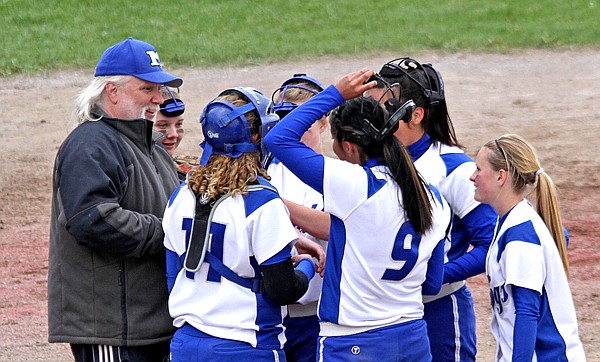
x=290 y=187
x=376 y=262
x=450 y=315
x=449 y=179
x=524 y=254
x=377 y=265
x=246 y=231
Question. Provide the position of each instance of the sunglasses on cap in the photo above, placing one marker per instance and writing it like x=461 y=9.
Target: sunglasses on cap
x=172 y=107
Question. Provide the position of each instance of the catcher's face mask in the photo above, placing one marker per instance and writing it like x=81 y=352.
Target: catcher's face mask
x=173 y=107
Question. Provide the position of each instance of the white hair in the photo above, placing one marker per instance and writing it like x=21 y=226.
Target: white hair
x=91 y=96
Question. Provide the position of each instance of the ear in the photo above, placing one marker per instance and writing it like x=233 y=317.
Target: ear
x=255 y=138
x=418 y=115
x=348 y=147
x=502 y=177
x=323 y=124
x=353 y=152
x=111 y=91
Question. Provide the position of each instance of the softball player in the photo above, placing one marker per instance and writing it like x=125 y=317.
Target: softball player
x=533 y=315
x=430 y=139
x=169 y=120
x=230 y=271
x=301 y=322
x=385 y=244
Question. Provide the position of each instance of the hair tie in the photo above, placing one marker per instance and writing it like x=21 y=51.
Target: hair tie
x=539 y=172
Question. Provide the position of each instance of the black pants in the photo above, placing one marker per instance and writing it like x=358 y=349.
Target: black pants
x=103 y=353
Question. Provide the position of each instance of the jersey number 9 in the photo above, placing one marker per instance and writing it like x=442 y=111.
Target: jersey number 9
x=405 y=251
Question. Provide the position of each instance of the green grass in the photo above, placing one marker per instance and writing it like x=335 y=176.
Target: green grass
x=38 y=35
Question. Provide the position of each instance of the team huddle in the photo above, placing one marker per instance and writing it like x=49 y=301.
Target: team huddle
x=263 y=248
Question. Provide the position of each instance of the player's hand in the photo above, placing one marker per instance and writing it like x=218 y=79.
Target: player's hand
x=353 y=85
x=296 y=259
x=306 y=246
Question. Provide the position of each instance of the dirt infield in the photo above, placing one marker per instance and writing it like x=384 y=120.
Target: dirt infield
x=550 y=98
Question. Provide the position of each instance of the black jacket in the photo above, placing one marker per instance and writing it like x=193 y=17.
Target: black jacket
x=106 y=277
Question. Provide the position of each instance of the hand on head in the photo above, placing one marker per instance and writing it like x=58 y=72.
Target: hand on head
x=353 y=85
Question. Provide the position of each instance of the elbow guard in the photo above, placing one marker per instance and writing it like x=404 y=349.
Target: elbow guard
x=283 y=284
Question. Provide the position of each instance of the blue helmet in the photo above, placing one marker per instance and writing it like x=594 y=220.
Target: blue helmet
x=226 y=129
x=283 y=107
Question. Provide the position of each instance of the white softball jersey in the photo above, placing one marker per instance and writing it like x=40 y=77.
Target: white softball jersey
x=290 y=187
x=523 y=254
x=246 y=230
x=376 y=263
x=454 y=186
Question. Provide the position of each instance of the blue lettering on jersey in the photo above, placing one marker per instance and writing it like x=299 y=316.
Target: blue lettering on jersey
x=406 y=251
x=217 y=232
x=217 y=237
x=186 y=225
x=499 y=297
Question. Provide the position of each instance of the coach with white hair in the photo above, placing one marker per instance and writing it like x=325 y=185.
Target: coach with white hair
x=107 y=294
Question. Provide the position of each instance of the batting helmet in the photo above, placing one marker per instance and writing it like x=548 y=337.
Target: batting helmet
x=225 y=128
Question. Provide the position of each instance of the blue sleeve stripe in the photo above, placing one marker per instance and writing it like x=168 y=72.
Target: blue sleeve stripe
x=524 y=232
x=556 y=348
x=453 y=160
x=175 y=193
x=437 y=194
x=255 y=199
x=284 y=140
x=283 y=255
x=173 y=264
x=374 y=184
x=331 y=295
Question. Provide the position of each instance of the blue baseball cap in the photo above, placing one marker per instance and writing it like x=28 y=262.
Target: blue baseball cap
x=137 y=58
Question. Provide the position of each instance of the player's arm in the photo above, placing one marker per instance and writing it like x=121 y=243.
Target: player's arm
x=479 y=224
x=284 y=140
x=174 y=265
x=314 y=222
x=435 y=271
x=304 y=245
x=527 y=313
x=284 y=283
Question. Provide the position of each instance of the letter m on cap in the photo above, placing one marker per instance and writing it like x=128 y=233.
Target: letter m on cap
x=154 y=60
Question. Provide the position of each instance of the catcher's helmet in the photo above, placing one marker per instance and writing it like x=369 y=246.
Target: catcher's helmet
x=226 y=129
x=433 y=88
x=282 y=108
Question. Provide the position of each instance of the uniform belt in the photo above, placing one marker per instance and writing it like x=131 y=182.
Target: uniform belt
x=328 y=329
x=302 y=310
x=447 y=289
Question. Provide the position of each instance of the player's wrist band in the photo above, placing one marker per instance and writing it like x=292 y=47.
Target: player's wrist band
x=307 y=267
